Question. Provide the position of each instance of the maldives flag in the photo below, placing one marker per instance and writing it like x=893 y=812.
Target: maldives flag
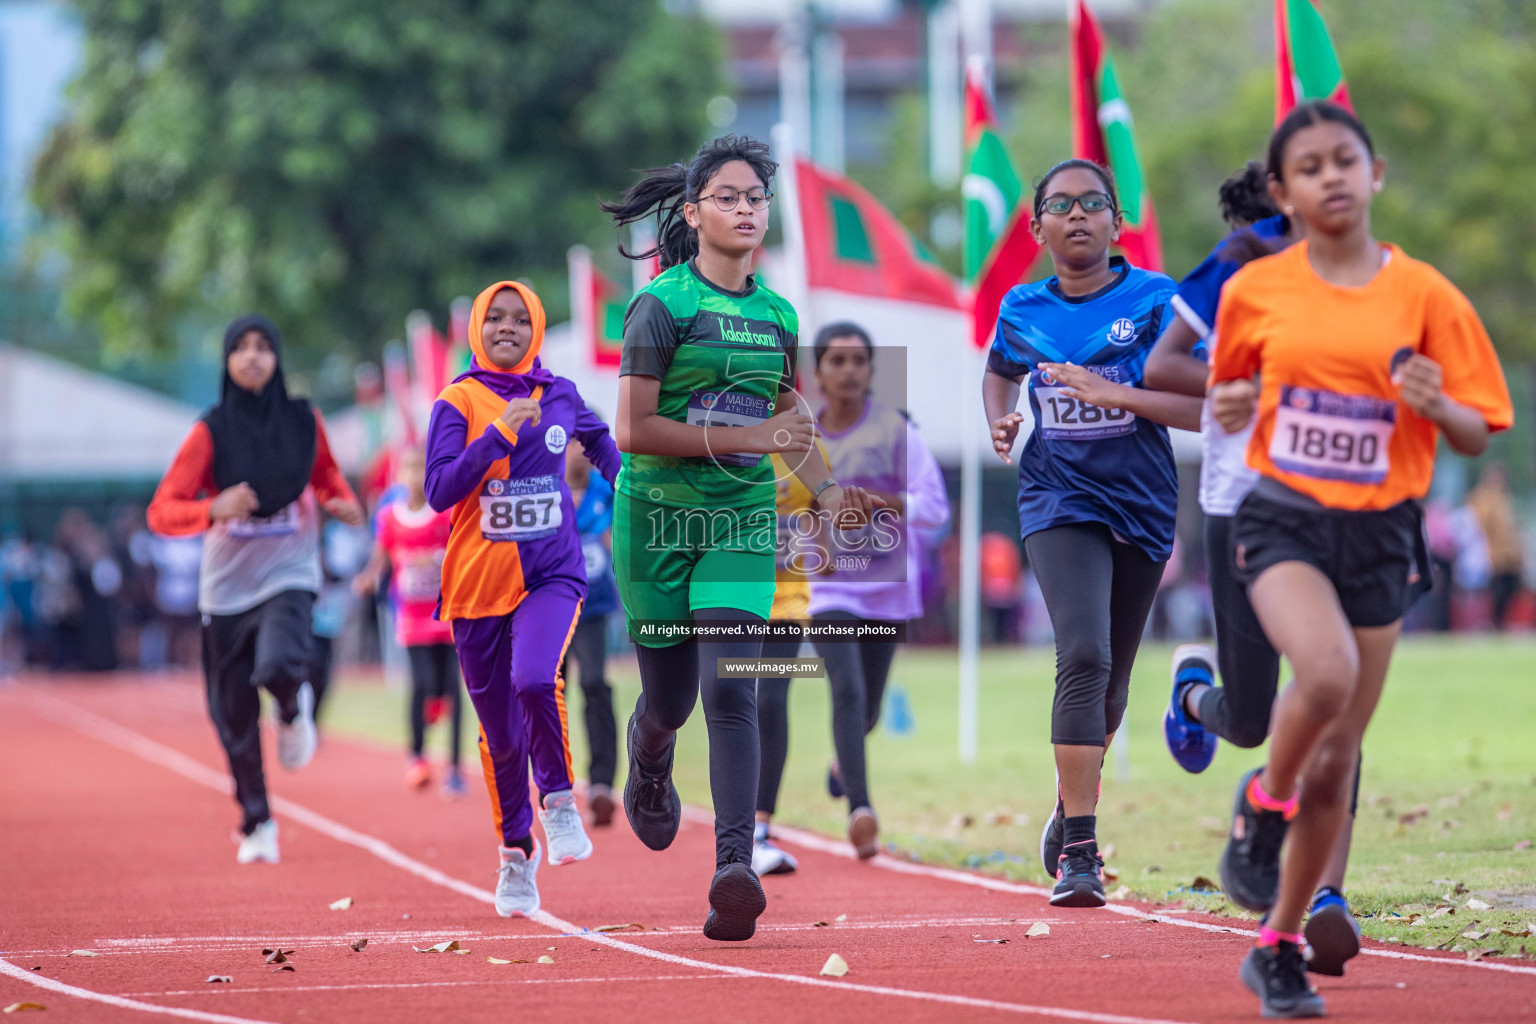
x=853 y=244
x=458 y=356
x=598 y=305
x=1306 y=66
x=429 y=362
x=1102 y=131
x=999 y=248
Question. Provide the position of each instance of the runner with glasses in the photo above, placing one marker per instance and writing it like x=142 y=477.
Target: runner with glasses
x=1097 y=486
x=706 y=390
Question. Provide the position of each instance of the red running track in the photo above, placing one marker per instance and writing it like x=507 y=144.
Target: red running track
x=115 y=838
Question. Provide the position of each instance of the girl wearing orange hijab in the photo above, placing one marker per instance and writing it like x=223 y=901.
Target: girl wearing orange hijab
x=514 y=577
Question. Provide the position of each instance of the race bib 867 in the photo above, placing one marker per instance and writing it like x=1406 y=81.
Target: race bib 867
x=520 y=510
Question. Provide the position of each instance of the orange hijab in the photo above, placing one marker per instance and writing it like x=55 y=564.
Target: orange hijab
x=477 y=326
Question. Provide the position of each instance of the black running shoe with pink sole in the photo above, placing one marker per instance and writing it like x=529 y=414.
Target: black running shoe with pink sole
x=1079 y=877
x=1278 y=976
x=1250 y=865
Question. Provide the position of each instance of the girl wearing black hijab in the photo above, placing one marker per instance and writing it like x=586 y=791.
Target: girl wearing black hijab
x=254 y=473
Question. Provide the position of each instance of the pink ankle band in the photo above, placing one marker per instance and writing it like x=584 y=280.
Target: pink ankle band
x=1264 y=801
x=1269 y=937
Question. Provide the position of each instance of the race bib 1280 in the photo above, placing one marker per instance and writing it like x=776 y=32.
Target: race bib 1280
x=1333 y=437
x=520 y=510
x=1064 y=418
x=728 y=409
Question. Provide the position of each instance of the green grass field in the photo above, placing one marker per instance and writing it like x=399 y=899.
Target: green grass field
x=1447 y=808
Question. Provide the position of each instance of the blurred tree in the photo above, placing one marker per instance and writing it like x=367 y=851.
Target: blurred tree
x=337 y=163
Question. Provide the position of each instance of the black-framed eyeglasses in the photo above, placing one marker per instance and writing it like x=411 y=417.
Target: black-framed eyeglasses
x=727 y=199
x=1061 y=204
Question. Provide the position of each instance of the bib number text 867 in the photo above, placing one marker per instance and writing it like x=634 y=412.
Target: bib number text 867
x=519 y=513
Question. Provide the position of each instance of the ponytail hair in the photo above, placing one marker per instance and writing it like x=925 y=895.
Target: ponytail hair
x=663 y=191
x=1245 y=198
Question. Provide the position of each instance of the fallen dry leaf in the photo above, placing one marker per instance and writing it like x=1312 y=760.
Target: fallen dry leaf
x=496 y=960
x=345 y=903
x=1478 y=954
x=995 y=818
x=1476 y=904
x=215 y=978
x=619 y=927
x=546 y=959
x=461 y=952
x=1515 y=934
x=841 y=917
x=821 y=924
x=1201 y=883
x=1474 y=935
x=82 y=952
x=1111 y=874
x=18 y=1007
x=441 y=947
x=1121 y=893
x=1419 y=813
x=278 y=956
x=995 y=942
x=835 y=967
x=282 y=967
x=359 y=945
x=1038 y=930
x=1443 y=911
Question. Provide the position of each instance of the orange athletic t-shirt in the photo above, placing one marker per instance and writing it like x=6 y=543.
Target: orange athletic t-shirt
x=1329 y=422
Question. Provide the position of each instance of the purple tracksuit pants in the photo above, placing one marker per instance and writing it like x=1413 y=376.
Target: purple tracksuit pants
x=511 y=666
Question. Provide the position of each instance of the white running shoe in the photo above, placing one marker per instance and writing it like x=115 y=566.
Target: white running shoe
x=296 y=740
x=517 y=890
x=261 y=844
x=568 y=840
x=767 y=858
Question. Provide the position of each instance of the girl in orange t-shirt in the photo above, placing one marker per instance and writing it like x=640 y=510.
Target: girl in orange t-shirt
x=1364 y=357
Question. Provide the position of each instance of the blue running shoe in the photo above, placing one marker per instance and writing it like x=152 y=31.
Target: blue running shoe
x=1333 y=934
x=1192 y=745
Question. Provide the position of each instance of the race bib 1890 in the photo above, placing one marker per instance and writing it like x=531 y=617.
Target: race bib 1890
x=1064 y=418
x=728 y=409
x=520 y=510
x=279 y=524
x=1332 y=437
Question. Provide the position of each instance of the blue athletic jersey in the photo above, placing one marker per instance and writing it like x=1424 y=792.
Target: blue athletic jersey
x=1200 y=291
x=1082 y=463
x=594 y=518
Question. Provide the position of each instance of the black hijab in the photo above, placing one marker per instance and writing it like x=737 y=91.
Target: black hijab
x=265 y=440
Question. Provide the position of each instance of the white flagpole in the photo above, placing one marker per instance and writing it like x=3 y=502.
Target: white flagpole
x=787 y=204
x=578 y=262
x=976 y=29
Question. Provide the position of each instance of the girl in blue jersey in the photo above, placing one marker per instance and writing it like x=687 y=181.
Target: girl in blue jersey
x=1097 y=486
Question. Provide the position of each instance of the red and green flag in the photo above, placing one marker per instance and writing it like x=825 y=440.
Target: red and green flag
x=458 y=357
x=999 y=248
x=853 y=244
x=1102 y=131
x=1306 y=64
x=598 y=305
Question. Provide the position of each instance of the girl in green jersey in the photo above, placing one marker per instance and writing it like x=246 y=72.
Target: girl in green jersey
x=706 y=393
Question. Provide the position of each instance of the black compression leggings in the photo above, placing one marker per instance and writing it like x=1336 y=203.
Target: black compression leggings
x=857 y=673
x=1098 y=592
x=773 y=725
x=1238 y=710
x=435 y=673
x=671 y=680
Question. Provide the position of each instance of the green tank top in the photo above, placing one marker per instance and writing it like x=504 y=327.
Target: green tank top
x=723 y=359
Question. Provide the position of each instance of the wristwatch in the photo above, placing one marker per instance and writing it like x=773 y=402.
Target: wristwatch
x=828 y=482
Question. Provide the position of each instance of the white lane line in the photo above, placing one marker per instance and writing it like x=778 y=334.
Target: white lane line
x=217 y=990
x=90 y=724
x=812 y=841
x=32 y=978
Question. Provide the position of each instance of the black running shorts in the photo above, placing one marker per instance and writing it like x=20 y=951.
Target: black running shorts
x=1378 y=562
